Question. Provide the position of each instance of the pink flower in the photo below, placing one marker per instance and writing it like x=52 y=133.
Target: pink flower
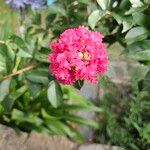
x=80 y=54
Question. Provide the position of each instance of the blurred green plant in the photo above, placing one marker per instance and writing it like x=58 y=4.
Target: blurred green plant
x=8 y=21
x=125 y=122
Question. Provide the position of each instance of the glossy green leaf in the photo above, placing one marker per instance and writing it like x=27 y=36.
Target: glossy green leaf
x=80 y=120
x=141 y=19
x=74 y=95
x=136 y=34
x=23 y=53
x=3 y=67
x=142 y=55
x=38 y=76
x=4 y=89
x=136 y=9
x=34 y=88
x=94 y=17
x=82 y=108
x=118 y=17
x=19 y=92
x=136 y=3
x=59 y=127
x=17 y=40
x=54 y=94
x=22 y=117
x=127 y=24
x=7 y=57
x=10 y=58
x=8 y=103
x=42 y=55
x=138 y=46
x=104 y=4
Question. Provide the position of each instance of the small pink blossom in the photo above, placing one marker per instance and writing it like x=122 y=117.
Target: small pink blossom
x=80 y=54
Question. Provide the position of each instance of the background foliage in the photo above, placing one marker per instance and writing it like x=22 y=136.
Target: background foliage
x=31 y=99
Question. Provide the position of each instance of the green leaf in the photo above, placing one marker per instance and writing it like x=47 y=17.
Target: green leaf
x=3 y=67
x=8 y=103
x=38 y=128
x=19 y=92
x=136 y=3
x=17 y=40
x=136 y=34
x=141 y=19
x=49 y=20
x=37 y=31
x=74 y=95
x=142 y=55
x=59 y=127
x=147 y=2
x=34 y=88
x=118 y=17
x=38 y=76
x=137 y=9
x=55 y=126
x=82 y=108
x=104 y=4
x=146 y=82
x=138 y=46
x=6 y=58
x=1 y=109
x=80 y=120
x=22 y=117
x=24 y=53
x=42 y=55
x=57 y=9
x=54 y=94
x=94 y=17
x=10 y=58
x=4 y=89
x=127 y=23
x=37 y=19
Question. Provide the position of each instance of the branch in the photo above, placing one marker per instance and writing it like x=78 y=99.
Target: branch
x=20 y=71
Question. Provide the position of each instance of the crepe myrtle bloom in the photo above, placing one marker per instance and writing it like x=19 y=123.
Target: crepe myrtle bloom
x=35 y=4
x=79 y=54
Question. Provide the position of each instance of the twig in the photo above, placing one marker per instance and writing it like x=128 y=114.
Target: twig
x=20 y=71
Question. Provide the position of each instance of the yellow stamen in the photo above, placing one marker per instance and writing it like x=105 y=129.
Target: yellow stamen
x=80 y=54
x=86 y=56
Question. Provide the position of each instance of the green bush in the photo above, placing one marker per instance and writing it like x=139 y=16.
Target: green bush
x=125 y=122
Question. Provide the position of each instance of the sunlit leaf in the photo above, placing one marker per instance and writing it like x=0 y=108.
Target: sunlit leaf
x=94 y=17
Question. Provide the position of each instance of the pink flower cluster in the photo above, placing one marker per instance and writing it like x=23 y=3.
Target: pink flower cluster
x=80 y=54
